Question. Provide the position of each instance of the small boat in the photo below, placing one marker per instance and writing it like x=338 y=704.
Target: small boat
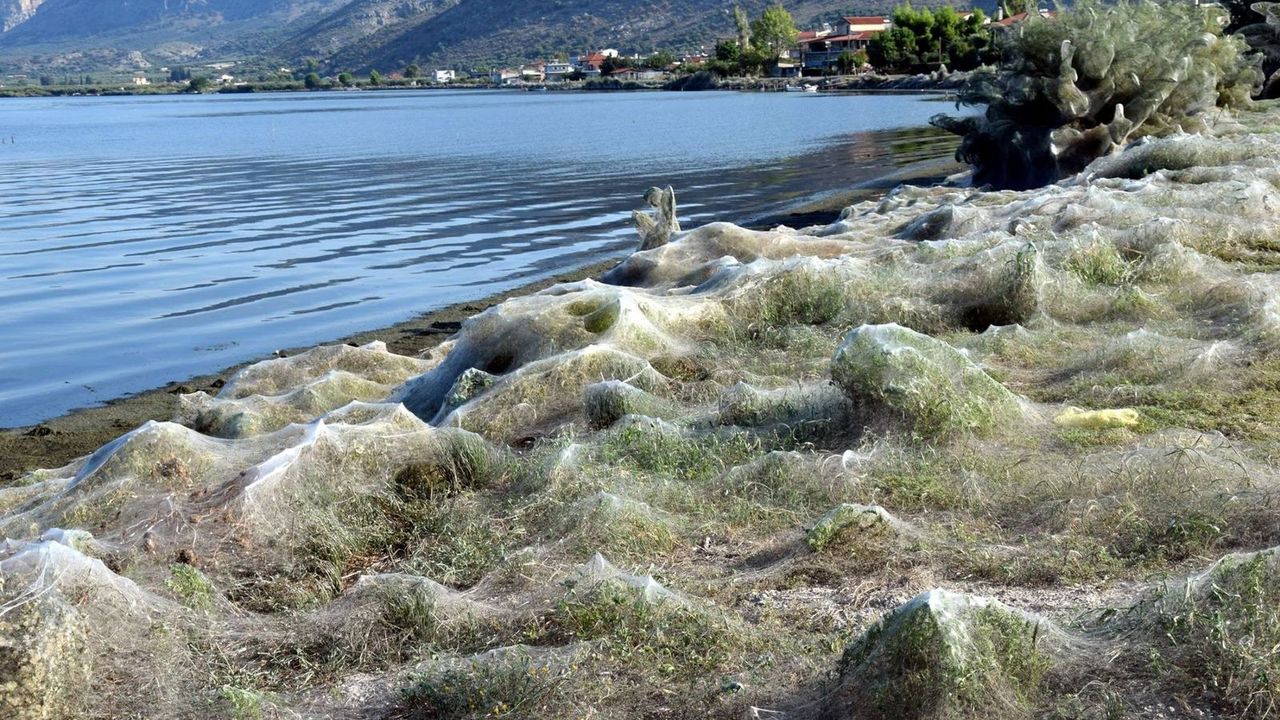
x=808 y=88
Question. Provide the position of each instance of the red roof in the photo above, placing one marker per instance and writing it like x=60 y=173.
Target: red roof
x=1012 y=19
x=864 y=35
x=808 y=35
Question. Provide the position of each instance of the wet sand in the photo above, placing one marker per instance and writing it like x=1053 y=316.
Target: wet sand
x=56 y=442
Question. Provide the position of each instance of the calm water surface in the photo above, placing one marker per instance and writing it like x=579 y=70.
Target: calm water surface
x=144 y=240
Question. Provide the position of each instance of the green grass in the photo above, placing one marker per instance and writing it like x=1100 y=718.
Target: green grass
x=515 y=686
x=191 y=586
x=1220 y=639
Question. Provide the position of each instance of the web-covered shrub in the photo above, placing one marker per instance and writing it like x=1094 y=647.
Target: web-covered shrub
x=1079 y=85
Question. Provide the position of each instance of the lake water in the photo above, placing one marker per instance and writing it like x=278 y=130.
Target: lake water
x=150 y=239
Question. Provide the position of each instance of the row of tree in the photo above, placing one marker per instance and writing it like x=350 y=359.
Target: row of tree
x=933 y=37
x=759 y=44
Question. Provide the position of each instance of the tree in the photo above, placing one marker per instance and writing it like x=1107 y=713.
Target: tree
x=346 y=79
x=660 y=60
x=849 y=62
x=775 y=31
x=198 y=84
x=743 y=24
x=313 y=81
x=612 y=65
x=728 y=51
x=754 y=61
x=929 y=37
x=1017 y=7
x=1096 y=77
x=413 y=72
x=375 y=78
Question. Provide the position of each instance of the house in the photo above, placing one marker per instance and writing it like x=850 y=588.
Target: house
x=593 y=60
x=639 y=74
x=141 y=80
x=862 y=23
x=1004 y=23
x=534 y=73
x=822 y=51
x=557 y=70
x=442 y=77
x=505 y=76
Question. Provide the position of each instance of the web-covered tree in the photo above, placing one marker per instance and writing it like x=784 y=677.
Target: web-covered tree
x=1082 y=84
x=1259 y=24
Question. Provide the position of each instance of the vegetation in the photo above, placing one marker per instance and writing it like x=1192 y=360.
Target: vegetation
x=789 y=470
x=1082 y=85
x=932 y=37
x=759 y=45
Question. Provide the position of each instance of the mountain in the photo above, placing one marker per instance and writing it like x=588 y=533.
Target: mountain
x=368 y=34
x=142 y=24
x=15 y=12
x=354 y=24
x=480 y=32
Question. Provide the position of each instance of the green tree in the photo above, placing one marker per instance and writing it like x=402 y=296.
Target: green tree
x=1017 y=7
x=754 y=61
x=775 y=31
x=375 y=78
x=660 y=60
x=313 y=81
x=613 y=64
x=848 y=62
x=413 y=72
x=346 y=79
x=924 y=36
x=728 y=51
x=198 y=84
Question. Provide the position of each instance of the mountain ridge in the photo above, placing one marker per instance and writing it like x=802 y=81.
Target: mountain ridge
x=386 y=35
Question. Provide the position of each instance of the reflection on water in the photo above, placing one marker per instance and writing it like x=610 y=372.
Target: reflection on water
x=143 y=240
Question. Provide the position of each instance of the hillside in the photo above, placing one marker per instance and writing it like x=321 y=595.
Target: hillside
x=42 y=35
x=485 y=32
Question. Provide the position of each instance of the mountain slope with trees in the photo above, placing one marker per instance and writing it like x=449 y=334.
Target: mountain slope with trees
x=377 y=34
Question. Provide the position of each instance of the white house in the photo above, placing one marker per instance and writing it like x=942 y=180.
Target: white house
x=556 y=70
x=442 y=77
x=505 y=76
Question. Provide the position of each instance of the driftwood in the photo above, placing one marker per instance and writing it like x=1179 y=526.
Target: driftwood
x=657 y=227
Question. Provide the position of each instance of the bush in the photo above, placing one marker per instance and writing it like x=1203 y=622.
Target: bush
x=1080 y=85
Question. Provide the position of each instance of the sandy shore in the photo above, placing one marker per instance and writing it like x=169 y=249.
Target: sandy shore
x=56 y=442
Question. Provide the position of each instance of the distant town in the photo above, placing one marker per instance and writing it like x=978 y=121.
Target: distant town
x=771 y=46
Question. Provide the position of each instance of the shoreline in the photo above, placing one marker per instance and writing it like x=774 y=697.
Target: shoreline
x=871 y=84
x=59 y=440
